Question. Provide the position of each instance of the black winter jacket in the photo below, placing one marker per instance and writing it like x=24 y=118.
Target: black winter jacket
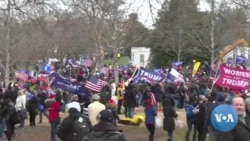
x=105 y=131
x=65 y=131
x=240 y=133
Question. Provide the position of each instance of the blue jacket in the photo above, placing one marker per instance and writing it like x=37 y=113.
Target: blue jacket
x=150 y=114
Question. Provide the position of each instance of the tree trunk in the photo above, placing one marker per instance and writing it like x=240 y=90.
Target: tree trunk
x=179 y=55
x=179 y=42
x=116 y=67
x=7 y=47
x=212 y=51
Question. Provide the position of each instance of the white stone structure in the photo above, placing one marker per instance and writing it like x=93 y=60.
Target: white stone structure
x=140 y=56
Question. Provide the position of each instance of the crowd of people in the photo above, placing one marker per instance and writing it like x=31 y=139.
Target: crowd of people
x=97 y=117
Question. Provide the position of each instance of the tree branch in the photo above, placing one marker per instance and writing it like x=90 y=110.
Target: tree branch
x=243 y=3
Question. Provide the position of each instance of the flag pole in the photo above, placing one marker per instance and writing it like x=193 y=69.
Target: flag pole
x=217 y=71
x=133 y=75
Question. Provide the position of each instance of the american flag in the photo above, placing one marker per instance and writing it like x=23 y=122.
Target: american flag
x=95 y=84
x=21 y=75
x=86 y=62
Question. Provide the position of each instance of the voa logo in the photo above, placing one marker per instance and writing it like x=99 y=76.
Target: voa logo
x=224 y=117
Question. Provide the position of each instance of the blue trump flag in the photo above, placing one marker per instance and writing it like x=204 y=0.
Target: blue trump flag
x=176 y=64
x=241 y=60
x=149 y=76
x=224 y=118
x=58 y=81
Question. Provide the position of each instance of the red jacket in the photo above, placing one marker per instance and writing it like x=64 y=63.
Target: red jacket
x=54 y=111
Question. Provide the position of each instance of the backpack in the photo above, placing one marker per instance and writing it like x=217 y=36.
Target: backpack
x=81 y=128
x=189 y=111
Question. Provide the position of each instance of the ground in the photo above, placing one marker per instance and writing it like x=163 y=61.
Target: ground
x=41 y=132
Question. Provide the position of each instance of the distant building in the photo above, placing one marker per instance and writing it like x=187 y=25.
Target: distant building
x=140 y=56
x=240 y=47
x=239 y=51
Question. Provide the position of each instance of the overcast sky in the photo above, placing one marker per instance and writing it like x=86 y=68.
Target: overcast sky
x=142 y=7
x=148 y=17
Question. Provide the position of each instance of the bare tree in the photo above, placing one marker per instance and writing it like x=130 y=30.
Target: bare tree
x=243 y=3
x=15 y=13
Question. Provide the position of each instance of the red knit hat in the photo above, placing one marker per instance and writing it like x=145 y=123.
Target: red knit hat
x=111 y=101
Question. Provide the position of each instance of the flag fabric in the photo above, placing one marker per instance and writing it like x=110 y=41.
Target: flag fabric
x=196 y=68
x=87 y=62
x=159 y=71
x=72 y=63
x=21 y=75
x=177 y=64
x=46 y=68
x=230 y=62
x=104 y=70
x=43 y=77
x=95 y=84
x=148 y=76
x=174 y=75
x=153 y=101
x=241 y=60
x=58 y=81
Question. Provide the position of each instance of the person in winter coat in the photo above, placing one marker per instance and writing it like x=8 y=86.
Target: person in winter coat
x=181 y=93
x=192 y=102
x=105 y=95
x=21 y=106
x=41 y=106
x=54 y=117
x=111 y=107
x=94 y=108
x=169 y=119
x=9 y=94
x=119 y=97
x=158 y=93
x=105 y=129
x=213 y=133
x=15 y=90
x=74 y=102
x=151 y=113
x=3 y=114
x=130 y=100
x=11 y=119
x=170 y=88
x=199 y=120
x=31 y=106
x=242 y=130
x=66 y=131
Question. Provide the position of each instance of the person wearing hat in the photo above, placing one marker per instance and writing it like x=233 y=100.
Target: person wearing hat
x=66 y=129
x=105 y=129
x=94 y=108
x=111 y=107
x=74 y=103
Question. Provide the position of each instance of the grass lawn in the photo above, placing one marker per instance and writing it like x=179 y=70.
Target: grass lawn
x=140 y=133
x=41 y=132
x=122 y=61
